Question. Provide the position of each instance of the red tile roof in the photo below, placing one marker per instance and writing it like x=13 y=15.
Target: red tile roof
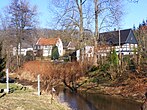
x=143 y=28
x=47 y=41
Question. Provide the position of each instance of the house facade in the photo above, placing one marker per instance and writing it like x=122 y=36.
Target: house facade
x=23 y=51
x=85 y=53
x=45 y=45
x=123 y=41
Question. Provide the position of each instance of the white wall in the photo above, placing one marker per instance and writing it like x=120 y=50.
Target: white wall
x=125 y=49
x=47 y=50
x=23 y=51
x=78 y=55
x=59 y=44
x=89 y=51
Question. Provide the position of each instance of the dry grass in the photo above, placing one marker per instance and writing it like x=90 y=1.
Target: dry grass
x=28 y=100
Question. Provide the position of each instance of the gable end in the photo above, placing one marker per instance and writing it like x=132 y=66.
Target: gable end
x=131 y=39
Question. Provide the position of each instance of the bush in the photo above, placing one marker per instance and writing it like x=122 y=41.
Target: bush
x=114 y=58
x=94 y=68
x=29 y=56
x=66 y=58
x=104 y=67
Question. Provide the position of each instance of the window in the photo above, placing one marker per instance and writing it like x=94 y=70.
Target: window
x=45 y=46
x=38 y=47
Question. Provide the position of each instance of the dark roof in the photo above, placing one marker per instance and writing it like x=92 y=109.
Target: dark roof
x=26 y=45
x=113 y=37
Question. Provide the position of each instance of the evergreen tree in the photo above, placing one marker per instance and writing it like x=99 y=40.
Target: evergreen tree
x=134 y=28
x=2 y=62
x=143 y=23
x=55 y=53
x=114 y=58
x=140 y=26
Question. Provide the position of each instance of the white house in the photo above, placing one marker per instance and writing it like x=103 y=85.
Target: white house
x=123 y=41
x=23 y=50
x=89 y=51
x=86 y=52
x=46 y=45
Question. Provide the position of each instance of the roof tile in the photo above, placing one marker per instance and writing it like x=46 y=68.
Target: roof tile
x=113 y=36
x=47 y=41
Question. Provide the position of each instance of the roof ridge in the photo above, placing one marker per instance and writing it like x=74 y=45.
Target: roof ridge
x=47 y=41
x=116 y=31
x=112 y=36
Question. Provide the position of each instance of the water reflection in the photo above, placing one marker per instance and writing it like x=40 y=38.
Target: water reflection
x=85 y=101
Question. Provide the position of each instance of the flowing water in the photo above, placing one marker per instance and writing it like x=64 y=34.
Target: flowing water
x=91 y=101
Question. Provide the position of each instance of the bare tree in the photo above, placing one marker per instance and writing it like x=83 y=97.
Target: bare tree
x=107 y=15
x=134 y=1
x=96 y=31
x=141 y=35
x=22 y=16
x=77 y=14
x=4 y=37
x=70 y=16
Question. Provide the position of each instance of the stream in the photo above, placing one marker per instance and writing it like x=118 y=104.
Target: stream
x=93 y=101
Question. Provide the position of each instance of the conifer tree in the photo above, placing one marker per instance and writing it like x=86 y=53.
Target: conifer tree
x=55 y=53
x=134 y=28
x=143 y=23
x=140 y=26
x=2 y=62
x=114 y=58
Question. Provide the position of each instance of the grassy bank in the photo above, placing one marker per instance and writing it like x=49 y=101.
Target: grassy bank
x=23 y=98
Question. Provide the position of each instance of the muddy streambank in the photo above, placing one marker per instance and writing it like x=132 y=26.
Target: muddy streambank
x=133 y=89
x=93 y=97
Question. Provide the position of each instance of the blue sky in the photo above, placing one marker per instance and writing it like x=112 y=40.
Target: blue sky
x=135 y=13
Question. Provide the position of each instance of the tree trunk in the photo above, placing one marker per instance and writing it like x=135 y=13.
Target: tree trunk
x=74 y=85
x=81 y=22
x=96 y=36
x=73 y=89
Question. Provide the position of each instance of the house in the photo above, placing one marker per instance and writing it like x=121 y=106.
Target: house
x=89 y=51
x=71 y=46
x=45 y=45
x=24 y=48
x=123 y=41
x=86 y=52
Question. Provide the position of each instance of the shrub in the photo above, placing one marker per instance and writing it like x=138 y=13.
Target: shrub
x=29 y=55
x=104 y=67
x=114 y=58
x=94 y=68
